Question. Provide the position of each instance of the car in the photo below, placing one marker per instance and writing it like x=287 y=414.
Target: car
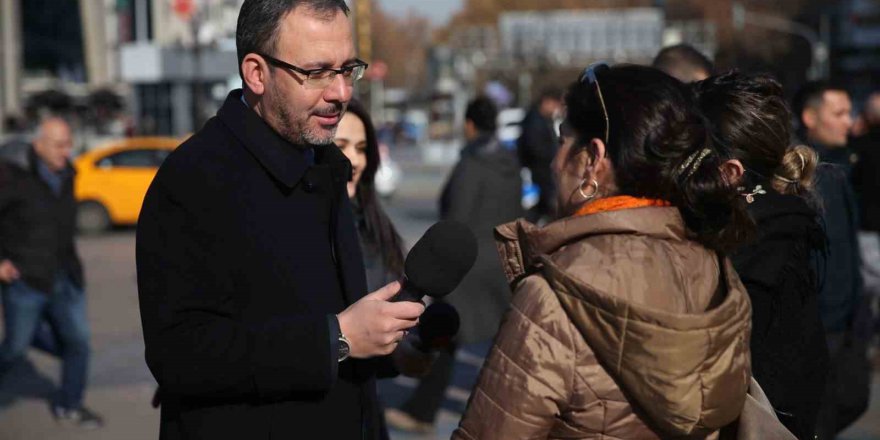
x=388 y=174
x=112 y=180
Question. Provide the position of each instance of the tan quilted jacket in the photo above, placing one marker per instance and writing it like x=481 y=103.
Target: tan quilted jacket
x=618 y=329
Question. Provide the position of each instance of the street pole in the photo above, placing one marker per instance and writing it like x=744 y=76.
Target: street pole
x=11 y=62
x=818 y=48
x=94 y=41
x=363 y=29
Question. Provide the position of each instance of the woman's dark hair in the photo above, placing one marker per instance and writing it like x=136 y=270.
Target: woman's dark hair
x=656 y=142
x=380 y=231
x=749 y=115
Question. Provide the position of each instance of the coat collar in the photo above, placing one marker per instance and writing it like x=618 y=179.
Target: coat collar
x=521 y=244
x=286 y=162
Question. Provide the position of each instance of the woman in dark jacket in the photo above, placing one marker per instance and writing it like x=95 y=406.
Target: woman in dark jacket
x=789 y=354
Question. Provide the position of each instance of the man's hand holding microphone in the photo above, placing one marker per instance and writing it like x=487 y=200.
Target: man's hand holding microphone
x=375 y=325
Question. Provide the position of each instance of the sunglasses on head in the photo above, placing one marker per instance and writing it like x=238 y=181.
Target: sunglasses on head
x=589 y=77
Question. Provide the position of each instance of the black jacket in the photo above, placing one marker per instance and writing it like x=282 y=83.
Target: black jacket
x=841 y=290
x=866 y=179
x=37 y=227
x=536 y=147
x=244 y=252
x=789 y=354
x=484 y=191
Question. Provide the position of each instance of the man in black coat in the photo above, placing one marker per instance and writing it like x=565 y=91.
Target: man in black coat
x=40 y=272
x=536 y=148
x=252 y=289
x=824 y=112
x=866 y=183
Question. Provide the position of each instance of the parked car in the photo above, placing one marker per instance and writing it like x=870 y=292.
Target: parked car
x=388 y=175
x=112 y=180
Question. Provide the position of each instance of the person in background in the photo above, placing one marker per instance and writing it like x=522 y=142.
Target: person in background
x=536 y=147
x=40 y=271
x=789 y=355
x=482 y=192
x=627 y=322
x=380 y=243
x=684 y=62
x=866 y=183
x=823 y=111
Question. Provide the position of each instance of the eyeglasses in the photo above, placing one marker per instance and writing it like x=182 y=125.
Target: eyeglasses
x=589 y=78
x=322 y=77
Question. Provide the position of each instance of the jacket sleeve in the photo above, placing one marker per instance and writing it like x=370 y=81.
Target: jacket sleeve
x=196 y=345
x=527 y=379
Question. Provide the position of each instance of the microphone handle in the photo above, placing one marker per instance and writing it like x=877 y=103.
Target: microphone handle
x=409 y=292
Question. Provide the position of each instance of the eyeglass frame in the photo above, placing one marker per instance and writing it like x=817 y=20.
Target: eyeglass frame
x=308 y=72
x=589 y=78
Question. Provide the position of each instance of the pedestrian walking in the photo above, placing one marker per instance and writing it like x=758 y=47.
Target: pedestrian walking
x=40 y=271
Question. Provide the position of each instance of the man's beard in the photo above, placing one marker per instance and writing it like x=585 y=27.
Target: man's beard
x=296 y=130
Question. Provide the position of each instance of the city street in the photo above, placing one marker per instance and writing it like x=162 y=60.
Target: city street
x=121 y=386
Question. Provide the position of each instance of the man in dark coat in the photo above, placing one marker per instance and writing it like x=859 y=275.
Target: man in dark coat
x=40 y=272
x=536 y=148
x=866 y=183
x=250 y=278
x=484 y=191
x=823 y=110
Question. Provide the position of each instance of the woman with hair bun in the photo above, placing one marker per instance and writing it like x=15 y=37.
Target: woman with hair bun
x=789 y=354
x=627 y=321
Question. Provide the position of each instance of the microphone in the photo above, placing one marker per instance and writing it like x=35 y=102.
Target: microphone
x=437 y=326
x=438 y=261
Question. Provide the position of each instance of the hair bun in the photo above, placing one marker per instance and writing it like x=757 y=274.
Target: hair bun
x=796 y=172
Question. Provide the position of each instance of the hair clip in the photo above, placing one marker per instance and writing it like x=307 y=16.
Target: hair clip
x=750 y=197
x=693 y=163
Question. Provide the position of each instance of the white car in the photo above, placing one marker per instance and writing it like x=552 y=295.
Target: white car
x=388 y=175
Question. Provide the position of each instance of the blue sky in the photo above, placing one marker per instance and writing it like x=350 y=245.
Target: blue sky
x=439 y=11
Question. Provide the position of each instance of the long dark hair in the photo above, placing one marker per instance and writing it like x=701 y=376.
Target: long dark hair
x=655 y=143
x=749 y=114
x=380 y=232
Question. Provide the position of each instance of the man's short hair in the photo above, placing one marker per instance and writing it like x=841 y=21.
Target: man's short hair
x=553 y=93
x=483 y=113
x=811 y=95
x=258 y=21
x=683 y=62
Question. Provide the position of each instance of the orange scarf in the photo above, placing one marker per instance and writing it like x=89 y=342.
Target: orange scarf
x=618 y=203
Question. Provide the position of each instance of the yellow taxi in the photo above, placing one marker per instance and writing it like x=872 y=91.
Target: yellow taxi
x=112 y=180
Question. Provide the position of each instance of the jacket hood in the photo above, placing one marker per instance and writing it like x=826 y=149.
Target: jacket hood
x=688 y=373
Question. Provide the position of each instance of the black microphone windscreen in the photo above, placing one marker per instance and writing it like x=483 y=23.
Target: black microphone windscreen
x=439 y=321
x=441 y=258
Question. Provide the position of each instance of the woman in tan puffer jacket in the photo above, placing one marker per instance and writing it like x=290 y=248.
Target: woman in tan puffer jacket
x=627 y=320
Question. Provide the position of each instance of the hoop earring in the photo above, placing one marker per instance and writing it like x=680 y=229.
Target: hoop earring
x=594 y=184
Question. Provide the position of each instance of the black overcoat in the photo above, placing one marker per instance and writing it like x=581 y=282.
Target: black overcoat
x=244 y=252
